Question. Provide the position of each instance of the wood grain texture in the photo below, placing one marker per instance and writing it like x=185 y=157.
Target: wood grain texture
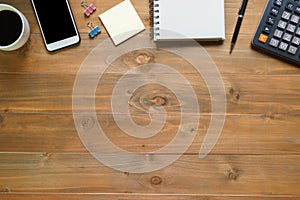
x=277 y=94
x=42 y=157
x=216 y=174
x=242 y=134
x=139 y=196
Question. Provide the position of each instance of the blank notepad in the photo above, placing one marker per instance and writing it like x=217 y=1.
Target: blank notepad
x=196 y=19
x=122 y=22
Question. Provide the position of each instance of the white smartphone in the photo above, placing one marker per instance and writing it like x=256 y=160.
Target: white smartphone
x=56 y=22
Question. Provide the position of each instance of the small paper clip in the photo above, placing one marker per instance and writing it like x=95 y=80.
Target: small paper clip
x=88 y=9
x=95 y=30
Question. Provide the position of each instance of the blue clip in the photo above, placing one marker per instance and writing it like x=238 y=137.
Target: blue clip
x=94 y=30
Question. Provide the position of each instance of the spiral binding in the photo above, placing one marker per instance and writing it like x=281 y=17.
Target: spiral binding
x=154 y=17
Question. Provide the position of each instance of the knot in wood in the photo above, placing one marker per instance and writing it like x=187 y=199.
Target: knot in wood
x=4 y=189
x=269 y=117
x=235 y=94
x=233 y=174
x=87 y=123
x=159 y=101
x=156 y=180
x=46 y=154
x=142 y=58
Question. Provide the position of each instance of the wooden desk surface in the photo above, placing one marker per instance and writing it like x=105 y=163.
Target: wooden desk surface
x=41 y=156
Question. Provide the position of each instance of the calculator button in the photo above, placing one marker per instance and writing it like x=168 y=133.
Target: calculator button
x=263 y=38
x=278 y=33
x=298 y=31
x=274 y=43
x=267 y=29
x=287 y=37
x=295 y=19
x=274 y=11
x=293 y=50
x=270 y=20
x=290 y=6
x=283 y=46
x=291 y=28
x=296 y=41
x=297 y=10
x=286 y=15
x=282 y=24
x=278 y=3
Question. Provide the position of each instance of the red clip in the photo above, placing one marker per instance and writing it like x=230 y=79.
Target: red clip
x=88 y=9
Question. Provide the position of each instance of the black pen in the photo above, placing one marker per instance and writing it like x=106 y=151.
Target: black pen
x=238 y=24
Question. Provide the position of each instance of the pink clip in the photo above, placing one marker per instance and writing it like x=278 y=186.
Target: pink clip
x=88 y=9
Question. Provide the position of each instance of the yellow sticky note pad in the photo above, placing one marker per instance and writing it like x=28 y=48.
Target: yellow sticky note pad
x=122 y=22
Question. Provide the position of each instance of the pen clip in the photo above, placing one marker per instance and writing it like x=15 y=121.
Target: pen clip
x=240 y=7
x=243 y=7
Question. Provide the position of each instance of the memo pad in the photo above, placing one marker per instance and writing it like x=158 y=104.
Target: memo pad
x=196 y=19
x=122 y=22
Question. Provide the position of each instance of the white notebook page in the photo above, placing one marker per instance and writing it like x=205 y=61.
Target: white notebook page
x=198 y=19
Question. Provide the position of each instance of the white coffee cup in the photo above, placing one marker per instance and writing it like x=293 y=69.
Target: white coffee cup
x=24 y=33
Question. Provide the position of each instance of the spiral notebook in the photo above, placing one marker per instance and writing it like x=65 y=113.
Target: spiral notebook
x=195 y=19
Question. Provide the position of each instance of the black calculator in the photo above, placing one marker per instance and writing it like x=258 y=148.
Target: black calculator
x=278 y=31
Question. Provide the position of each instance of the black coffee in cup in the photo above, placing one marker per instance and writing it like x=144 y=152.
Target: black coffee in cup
x=11 y=27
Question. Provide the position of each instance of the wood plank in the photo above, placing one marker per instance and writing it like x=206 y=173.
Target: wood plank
x=241 y=135
x=38 y=60
x=26 y=93
x=80 y=173
x=141 y=196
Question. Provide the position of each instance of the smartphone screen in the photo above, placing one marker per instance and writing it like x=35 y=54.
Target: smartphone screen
x=56 y=23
